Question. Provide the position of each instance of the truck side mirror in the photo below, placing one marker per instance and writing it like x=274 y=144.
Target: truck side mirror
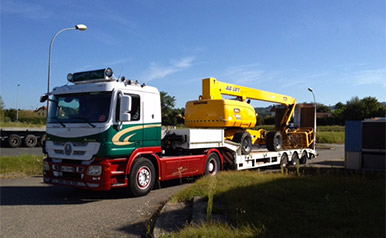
x=125 y=108
x=43 y=98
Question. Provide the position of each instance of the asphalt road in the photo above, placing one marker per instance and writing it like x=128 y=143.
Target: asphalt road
x=30 y=208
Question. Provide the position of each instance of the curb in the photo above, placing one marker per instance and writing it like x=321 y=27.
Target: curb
x=175 y=216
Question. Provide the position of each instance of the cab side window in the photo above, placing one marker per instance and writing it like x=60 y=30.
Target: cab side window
x=135 y=107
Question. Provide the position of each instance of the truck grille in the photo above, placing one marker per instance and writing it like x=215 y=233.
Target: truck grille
x=72 y=150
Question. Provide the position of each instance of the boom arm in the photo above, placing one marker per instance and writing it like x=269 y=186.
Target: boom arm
x=214 y=89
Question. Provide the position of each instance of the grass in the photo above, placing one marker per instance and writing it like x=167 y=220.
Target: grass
x=19 y=124
x=21 y=166
x=330 y=137
x=277 y=205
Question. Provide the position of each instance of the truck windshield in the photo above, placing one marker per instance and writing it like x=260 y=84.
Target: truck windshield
x=80 y=108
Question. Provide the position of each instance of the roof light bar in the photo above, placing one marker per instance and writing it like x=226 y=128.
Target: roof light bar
x=99 y=75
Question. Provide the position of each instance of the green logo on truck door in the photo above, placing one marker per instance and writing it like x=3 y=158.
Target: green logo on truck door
x=126 y=134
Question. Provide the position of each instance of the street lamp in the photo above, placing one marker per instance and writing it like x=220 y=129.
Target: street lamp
x=17 y=102
x=79 y=27
x=310 y=89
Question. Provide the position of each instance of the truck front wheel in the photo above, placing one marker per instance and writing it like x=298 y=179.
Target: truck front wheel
x=142 y=177
x=212 y=164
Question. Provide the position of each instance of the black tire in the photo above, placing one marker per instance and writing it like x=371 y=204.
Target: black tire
x=284 y=161
x=294 y=159
x=30 y=140
x=274 y=141
x=14 y=141
x=142 y=177
x=42 y=140
x=303 y=159
x=213 y=165
x=245 y=139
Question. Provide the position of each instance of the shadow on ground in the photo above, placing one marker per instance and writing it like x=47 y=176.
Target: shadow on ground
x=61 y=195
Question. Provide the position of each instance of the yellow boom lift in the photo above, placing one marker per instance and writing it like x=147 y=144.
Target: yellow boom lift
x=238 y=117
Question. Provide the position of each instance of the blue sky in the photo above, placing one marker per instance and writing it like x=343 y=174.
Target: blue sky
x=337 y=47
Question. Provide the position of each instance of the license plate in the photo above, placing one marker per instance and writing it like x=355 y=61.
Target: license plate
x=67 y=169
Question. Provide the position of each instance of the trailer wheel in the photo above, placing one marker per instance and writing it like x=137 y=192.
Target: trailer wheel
x=14 y=140
x=142 y=177
x=245 y=139
x=284 y=161
x=274 y=141
x=294 y=159
x=30 y=141
x=212 y=164
x=303 y=159
x=42 y=140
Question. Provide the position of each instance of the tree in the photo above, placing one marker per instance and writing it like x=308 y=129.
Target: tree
x=322 y=108
x=1 y=108
x=339 y=106
x=170 y=115
x=372 y=108
x=1 y=104
x=338 y=113
x=10 y=114
x=368 y=107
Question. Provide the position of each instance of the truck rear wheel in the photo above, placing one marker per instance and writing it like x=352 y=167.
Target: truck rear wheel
x=245 y=139
x=212 y=164
x=14 y=140
x=142 y=177
x=274 y=141
x=30 y=141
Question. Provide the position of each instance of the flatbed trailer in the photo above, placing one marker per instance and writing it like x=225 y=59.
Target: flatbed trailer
x=29 y=137
x=230 y=152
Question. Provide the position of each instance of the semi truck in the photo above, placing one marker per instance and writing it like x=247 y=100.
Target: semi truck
x=105 y=132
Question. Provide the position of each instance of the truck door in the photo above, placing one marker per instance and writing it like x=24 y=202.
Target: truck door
x=129 y=135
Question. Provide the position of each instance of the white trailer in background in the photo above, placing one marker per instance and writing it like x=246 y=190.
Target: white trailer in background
x=29 y=137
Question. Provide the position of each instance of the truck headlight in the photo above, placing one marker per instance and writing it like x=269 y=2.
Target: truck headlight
x=94 y=170
x=46 y=166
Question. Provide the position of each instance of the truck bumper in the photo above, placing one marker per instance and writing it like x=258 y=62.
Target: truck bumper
x=101 y=186
x=77 y=175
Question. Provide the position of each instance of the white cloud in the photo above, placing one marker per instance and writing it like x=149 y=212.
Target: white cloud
x=26 y=9
x=158 y=72
x=371 y=76
x=250 y=73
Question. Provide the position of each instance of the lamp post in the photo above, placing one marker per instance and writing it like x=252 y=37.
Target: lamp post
x=310 y=89
x=17 y=102
x=80 y=27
